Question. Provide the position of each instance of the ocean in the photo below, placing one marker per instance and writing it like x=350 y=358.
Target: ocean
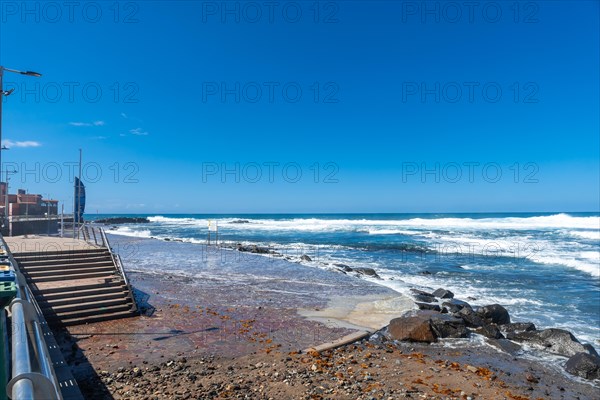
x=543 y=267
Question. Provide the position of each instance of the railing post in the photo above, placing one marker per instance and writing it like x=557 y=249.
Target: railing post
x=28 y=343
x=22 y=388
x=119 y=265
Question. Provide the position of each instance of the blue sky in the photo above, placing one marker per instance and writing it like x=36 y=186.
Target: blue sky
x=363 y=106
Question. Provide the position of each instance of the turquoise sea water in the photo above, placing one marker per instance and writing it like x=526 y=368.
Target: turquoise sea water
x=543 y=267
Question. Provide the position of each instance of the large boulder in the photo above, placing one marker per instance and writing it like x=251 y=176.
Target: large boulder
x=413 y=326
x=455 y=305
x=367 y=272
x=590 y=349
x=517 y=327
x=426 y=326
x=344 y=267
x=443 y=294
x=417 y=291
x=489 y=331
x=471 y=318
x=557 y=341
x=584 y=365
x=428 y=306
x=424 y=298
x=494 y=314
x=447 y=326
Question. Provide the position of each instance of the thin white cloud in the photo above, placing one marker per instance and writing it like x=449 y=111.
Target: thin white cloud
x=124 y=115
x=138 y=132
x=26 y=143
x=95 y=123
x=99 y=137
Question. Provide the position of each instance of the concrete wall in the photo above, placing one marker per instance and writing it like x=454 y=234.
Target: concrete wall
x=40 y=227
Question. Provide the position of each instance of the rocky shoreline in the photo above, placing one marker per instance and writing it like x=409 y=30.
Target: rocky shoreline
x=265 y=367
x=441 y=316
x=220 y=339
x=122 y=220
x=370 y=369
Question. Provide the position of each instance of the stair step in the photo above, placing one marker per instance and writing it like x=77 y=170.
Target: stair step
x=90 y=298
x=62 y=260
x=70 y=277
x=88 y=320
x=29 y=270
x=50 y=254
x=75 y=294
x=88 y=313
x=89 y=305
x=34 y=275
x=86 y=286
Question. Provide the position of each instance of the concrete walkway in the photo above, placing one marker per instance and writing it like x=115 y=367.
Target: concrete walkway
x=42 y=244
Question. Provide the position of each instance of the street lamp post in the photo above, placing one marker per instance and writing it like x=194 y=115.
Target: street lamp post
x=8 y=93
x=6 y=201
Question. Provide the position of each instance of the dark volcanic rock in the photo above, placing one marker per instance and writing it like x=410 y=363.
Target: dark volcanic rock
x=505 y=345
x=590 y=349
x=428 y=306
x=584 y=365
x=253 y=249
x=494 y=314
x=443 y=294
x=417 y=291
x=455 y=305
x=367 y=271
x=510 y=330
x=426 y=326
x=344 y=267
x=413 y=326
x=240 y=221
x=123 y=220
x=446 y=326
x=305 y=258
x=424 y=298
x=471 y=318
x=489 y=331
x=558 y=341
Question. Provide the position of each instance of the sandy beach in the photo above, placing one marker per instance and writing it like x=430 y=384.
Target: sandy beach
x=206 y=336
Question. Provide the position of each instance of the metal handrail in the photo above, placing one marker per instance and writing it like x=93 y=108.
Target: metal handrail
x=119 y=264
x=27 y=384
x=16 y=218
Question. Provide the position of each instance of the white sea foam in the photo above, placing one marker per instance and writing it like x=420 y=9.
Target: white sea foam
x=392 y=232
x=517 y=223
x=127 y=231
x=178 y=221
x=451 y=235
x=592 y=235
x=557 y=221
x=592 y=267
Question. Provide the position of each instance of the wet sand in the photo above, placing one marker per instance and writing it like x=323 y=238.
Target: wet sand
x=211 y=338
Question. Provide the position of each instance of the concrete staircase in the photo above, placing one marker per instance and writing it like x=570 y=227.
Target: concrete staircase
x=74 y=287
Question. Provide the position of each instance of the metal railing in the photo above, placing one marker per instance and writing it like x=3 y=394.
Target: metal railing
x=97 y=234
x=53 y=217
x=33 y=376
x=119 y=265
